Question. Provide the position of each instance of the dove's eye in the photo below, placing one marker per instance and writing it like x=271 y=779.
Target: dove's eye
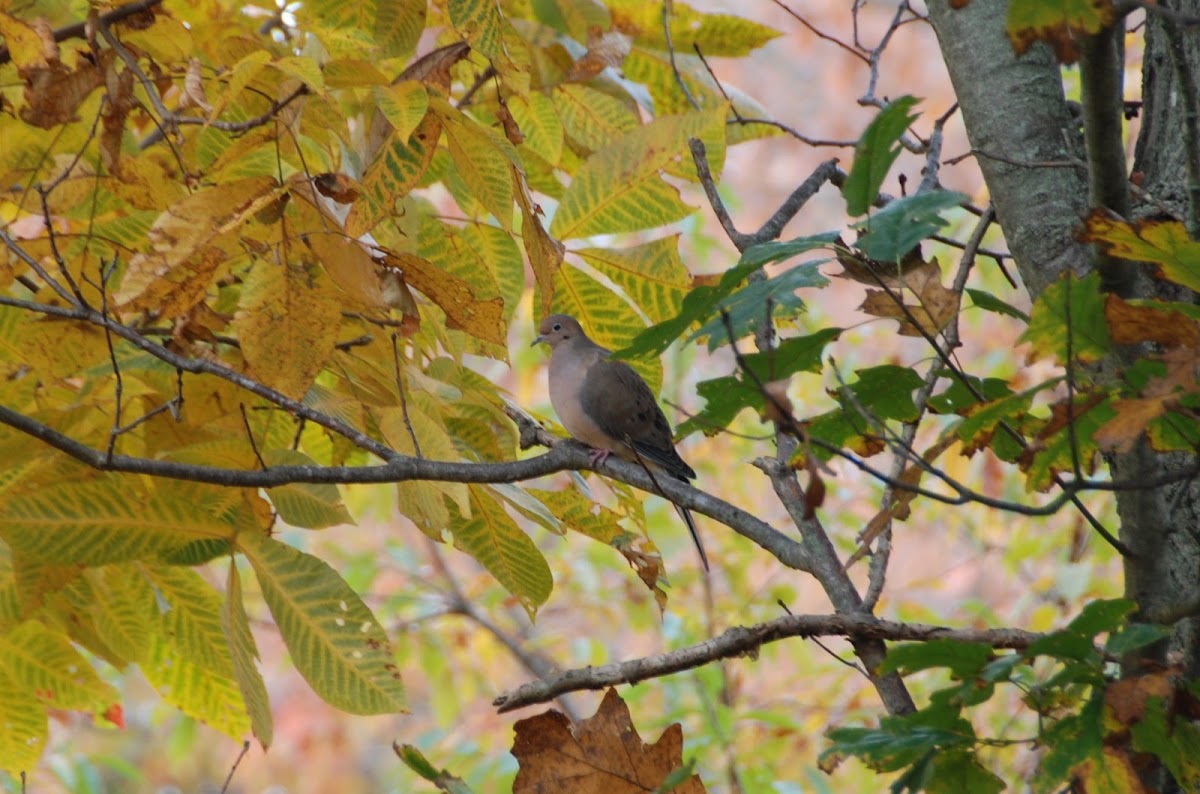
x=557 y=327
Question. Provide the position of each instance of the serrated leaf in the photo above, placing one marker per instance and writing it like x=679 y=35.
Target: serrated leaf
x=191 y=617
x=886 y=391
x=747 y=307
x=481 y=23
x=539 y=121
x=715 y=34
x=43 y=661
x=874 y=154
x=652 y=275
x=107 y=520
x=491 y=536
x=1080 y=301
x=26 y=728
x=1165 y=244
x=123 y=608
x=334 y=640
x=591 y=118
x=245 y=657
x=619 y=189
x=196 y=690
x=483 y=160
x=302 y=504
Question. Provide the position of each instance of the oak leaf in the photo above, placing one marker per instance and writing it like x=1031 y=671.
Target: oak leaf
x=602 y=755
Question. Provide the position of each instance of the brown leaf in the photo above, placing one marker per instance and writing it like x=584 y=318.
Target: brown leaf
x=433 y=69
x=512 y=130
x=605 y=49
x=116 y=110
x=935 y=305
x=482 y=319
x=1119 y=433
x=193 y=88
x=602 y=755
x=1131 y=325
x=53 y=93
x=1127 y=698
x=779 y=409
x=338 y=187
x=544 y=252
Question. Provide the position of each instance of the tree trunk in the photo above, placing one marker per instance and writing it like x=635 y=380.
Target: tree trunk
x=1014 y=109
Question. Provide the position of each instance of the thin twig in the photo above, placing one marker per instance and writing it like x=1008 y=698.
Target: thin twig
x=236 y=762
x=250 y=435
x=77 y=30
x=666 y=23
x=403 y=398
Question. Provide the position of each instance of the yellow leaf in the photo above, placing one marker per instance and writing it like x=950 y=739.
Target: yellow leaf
x=23 y=43
x=110 y=520
x=334 y=640
x=188 y=226
x=304 y=69
x=538 y=119
x=482 y=158
x=482 y=319
x=349 y=266
x=592 y=118
x=403 y=105
x=652 y=275
x=492 y=537
x=45 y=663
x=396 y=170
x=287 y=322
x=199 y=692
x=307 y=505
x=481 y=23
x=25 y=727
x=245 y=658
x=714 y=34
x=619 y=189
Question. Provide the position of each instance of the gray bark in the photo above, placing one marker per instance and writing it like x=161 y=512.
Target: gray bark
x=1014 y=107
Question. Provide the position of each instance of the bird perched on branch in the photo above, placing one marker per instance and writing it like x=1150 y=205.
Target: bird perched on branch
x=606 y=405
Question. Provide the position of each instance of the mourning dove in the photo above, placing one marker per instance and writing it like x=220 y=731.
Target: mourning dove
x=606 y=405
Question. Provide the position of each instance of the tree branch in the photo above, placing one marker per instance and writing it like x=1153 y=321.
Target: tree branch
x=746 y=641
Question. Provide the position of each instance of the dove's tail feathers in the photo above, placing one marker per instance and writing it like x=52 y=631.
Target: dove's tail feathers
x=686 y=515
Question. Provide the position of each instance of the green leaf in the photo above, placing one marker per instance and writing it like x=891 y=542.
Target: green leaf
x=874 y=154
x=192 y=617
x=1079 y=301
x=1175 y=741
x=1069 y=742
x=196 y=690
x=990 y=303
x=889 y=234
x=726 y=397
x=306 y=505
x=417 y=762
x=481 y=23
x=1102 y=615
x=245 y=657
x=1060 y=24
x=959 y=772
x=334 y=640
x=701 y=302
x=957 y=398
x=965 y=659
x=1134 y=637
x=747 y=307
x=886 y=391
x=900 y=741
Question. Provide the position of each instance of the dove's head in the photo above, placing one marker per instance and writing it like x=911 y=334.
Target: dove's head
x=558 y=328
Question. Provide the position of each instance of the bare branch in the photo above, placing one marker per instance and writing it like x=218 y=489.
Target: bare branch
x=746 y=641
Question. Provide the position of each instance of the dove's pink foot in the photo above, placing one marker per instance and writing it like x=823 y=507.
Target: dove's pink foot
x=599 y=456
